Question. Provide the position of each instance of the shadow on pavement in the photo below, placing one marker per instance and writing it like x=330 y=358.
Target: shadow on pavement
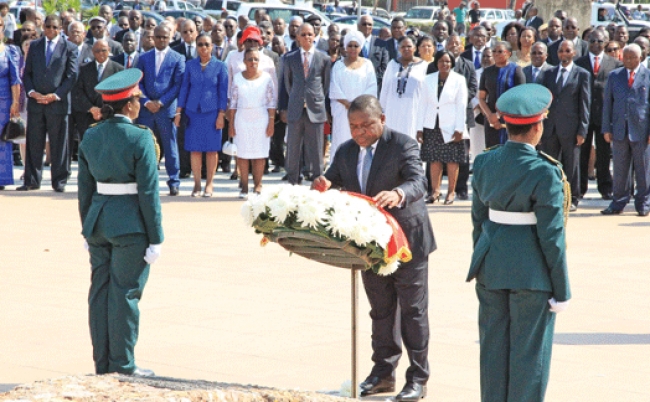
x=601 y=338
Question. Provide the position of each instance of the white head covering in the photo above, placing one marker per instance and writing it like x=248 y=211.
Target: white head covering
x=354 y=36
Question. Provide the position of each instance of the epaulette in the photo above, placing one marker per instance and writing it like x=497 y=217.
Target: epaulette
x=550 y=158
x=144 y=127
x=96 y=124
x=155 y=142
x=492 y=148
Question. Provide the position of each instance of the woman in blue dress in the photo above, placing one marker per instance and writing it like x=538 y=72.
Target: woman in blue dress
x=204 y=97
x=9 y=103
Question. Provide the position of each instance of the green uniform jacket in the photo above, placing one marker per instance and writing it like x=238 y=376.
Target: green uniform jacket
x=516 y=178
x=118 y=151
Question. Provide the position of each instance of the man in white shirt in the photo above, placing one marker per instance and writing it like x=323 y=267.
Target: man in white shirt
x=290 y=39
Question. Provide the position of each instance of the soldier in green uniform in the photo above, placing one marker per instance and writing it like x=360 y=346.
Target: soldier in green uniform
x=519 y=209
x=121 y=221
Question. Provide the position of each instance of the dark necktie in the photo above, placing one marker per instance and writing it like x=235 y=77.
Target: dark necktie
x=477 y=59
x=48 y=52
x=128 y=61
x=189 y=52
x=560 y=80
x=219 y=51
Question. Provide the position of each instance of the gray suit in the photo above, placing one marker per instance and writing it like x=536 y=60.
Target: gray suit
x=528 y=72
x=306 y=112
x=224 y=52
x=378 y=56
x=85 y=54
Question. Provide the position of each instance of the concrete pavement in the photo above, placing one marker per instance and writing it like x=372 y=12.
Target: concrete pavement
x=219 y=307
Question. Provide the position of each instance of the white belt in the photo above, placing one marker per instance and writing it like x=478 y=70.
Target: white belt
x=513 y=218
x=117 y=188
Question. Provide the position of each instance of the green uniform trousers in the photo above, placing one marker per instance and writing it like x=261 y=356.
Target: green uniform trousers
x=516 y=337
x=119 y=273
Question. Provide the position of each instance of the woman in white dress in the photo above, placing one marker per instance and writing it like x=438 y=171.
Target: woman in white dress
x=401 y=87
x=351 y=77
x=252 y=106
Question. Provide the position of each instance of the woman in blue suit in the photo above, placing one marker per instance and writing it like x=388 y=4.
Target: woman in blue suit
x=204 y=97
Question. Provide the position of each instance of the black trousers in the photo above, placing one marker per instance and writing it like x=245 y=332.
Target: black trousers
x=603 y=157
x=463 y=172
x=224 y=160
x=567 y=151
x=39 y=125
x=183 y=155
x=276 y=153
x=399 y=311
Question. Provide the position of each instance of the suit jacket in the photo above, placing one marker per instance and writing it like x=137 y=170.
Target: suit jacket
x=568 y=114
x=516 y=178
x=465 y=68
x=534 y=22
x=166 y=85
x=180 y=48
x=626 y=107
x=390 y=47
x=598 y=82
x=120 y=35
x=528 y=72
x=58 y=78
x=310 y=91
x=582 y=49
x=115 y=47
x=204 y=90
x=322 y=45
x=396 y=164
x=118 y=151
x=378 y=56
x=122 y=59
x=84 y=95
x=85 y=54
x=226 y=50
x=446 y=108
x=274 y=56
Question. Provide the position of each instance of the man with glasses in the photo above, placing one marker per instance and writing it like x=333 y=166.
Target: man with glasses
x=163 y=74
x=230 y=25
x=479 y=37
x=567 y=124
x=570 y=31
x=397 y=31
x=135 y=26
x=599 y=65
x=76 y=35
x=98 y=31
x=50 y=73
x=373 y=48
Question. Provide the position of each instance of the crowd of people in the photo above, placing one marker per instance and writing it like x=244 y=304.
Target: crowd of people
x=280 y=90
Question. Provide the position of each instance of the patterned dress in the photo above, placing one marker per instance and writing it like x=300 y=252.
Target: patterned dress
x=9 y=75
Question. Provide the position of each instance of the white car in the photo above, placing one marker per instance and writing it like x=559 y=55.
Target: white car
x=421 y=14
x=283 y=11
x=174 y=5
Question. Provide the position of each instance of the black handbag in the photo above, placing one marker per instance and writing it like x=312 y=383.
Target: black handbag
x=14 y=130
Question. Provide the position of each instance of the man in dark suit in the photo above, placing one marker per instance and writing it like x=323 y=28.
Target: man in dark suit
x=306 y=79
x=86 y=102
x=187 y=48
x=554 y=31
x=98 y=30
x=599 y=65
x=625 y=126
x=373 y=49
x=533 y=20
x=397 y=31
x=391 y=173
x=479 y=37
x=135 y=26
x=535 y=71
x=566 y=127
x=163 y=71
x=50 y=73
x=266 y=30
x=570 y=31
x=465 y=68
x=129 y=58
x=320 y=43
x=440 y=33
x=220 y=48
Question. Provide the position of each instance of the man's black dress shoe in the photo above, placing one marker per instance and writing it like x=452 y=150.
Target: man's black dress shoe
x=412 y=391
x=234 y=176
x=607 y=196
x=573 y=207
x=376 y=385
x=462 y=196
x=27 y=188
x=611 y=211
x=225 y=169
x=276 y=169
x=142 y=372
x=285 y=177
x=173 y=191
x=60 y=189
x=2 y=187
x=643 y=213
x=184 y=175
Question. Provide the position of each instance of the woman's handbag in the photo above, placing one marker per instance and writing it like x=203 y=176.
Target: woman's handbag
x=229 y=148
x=14 y=130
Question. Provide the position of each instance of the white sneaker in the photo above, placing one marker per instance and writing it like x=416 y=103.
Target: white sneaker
x=243 y=196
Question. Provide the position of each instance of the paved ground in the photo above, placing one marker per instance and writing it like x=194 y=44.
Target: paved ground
x=218 y=307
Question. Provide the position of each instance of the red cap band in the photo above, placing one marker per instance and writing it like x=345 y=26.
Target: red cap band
x=523 y=120
x=118 y=96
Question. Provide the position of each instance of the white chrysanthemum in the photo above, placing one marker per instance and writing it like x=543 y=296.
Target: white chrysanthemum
x=388 y=268
x=362 y=234
x=282 y=205
x=247 y=213
x=257 y=204
x=311 y=213
x=342 y=223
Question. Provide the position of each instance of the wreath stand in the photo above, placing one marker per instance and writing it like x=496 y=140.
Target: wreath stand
x=342 y=254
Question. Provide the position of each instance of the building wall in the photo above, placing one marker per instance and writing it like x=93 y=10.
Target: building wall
x=579 y=9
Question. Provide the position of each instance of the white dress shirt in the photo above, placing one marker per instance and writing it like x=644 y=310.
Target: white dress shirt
x=160 y=58
x=568 y=72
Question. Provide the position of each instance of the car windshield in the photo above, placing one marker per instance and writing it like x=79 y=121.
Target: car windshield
x=213 y=5
x=419 y=13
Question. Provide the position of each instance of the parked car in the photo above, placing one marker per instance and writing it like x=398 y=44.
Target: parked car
x=214 y=8
x=145 y=15
x=421 y=14
x=350 y=23
x=614 y=13
x=496 y=15
x=176 y=5
x=283 y=11
x=188 y=14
